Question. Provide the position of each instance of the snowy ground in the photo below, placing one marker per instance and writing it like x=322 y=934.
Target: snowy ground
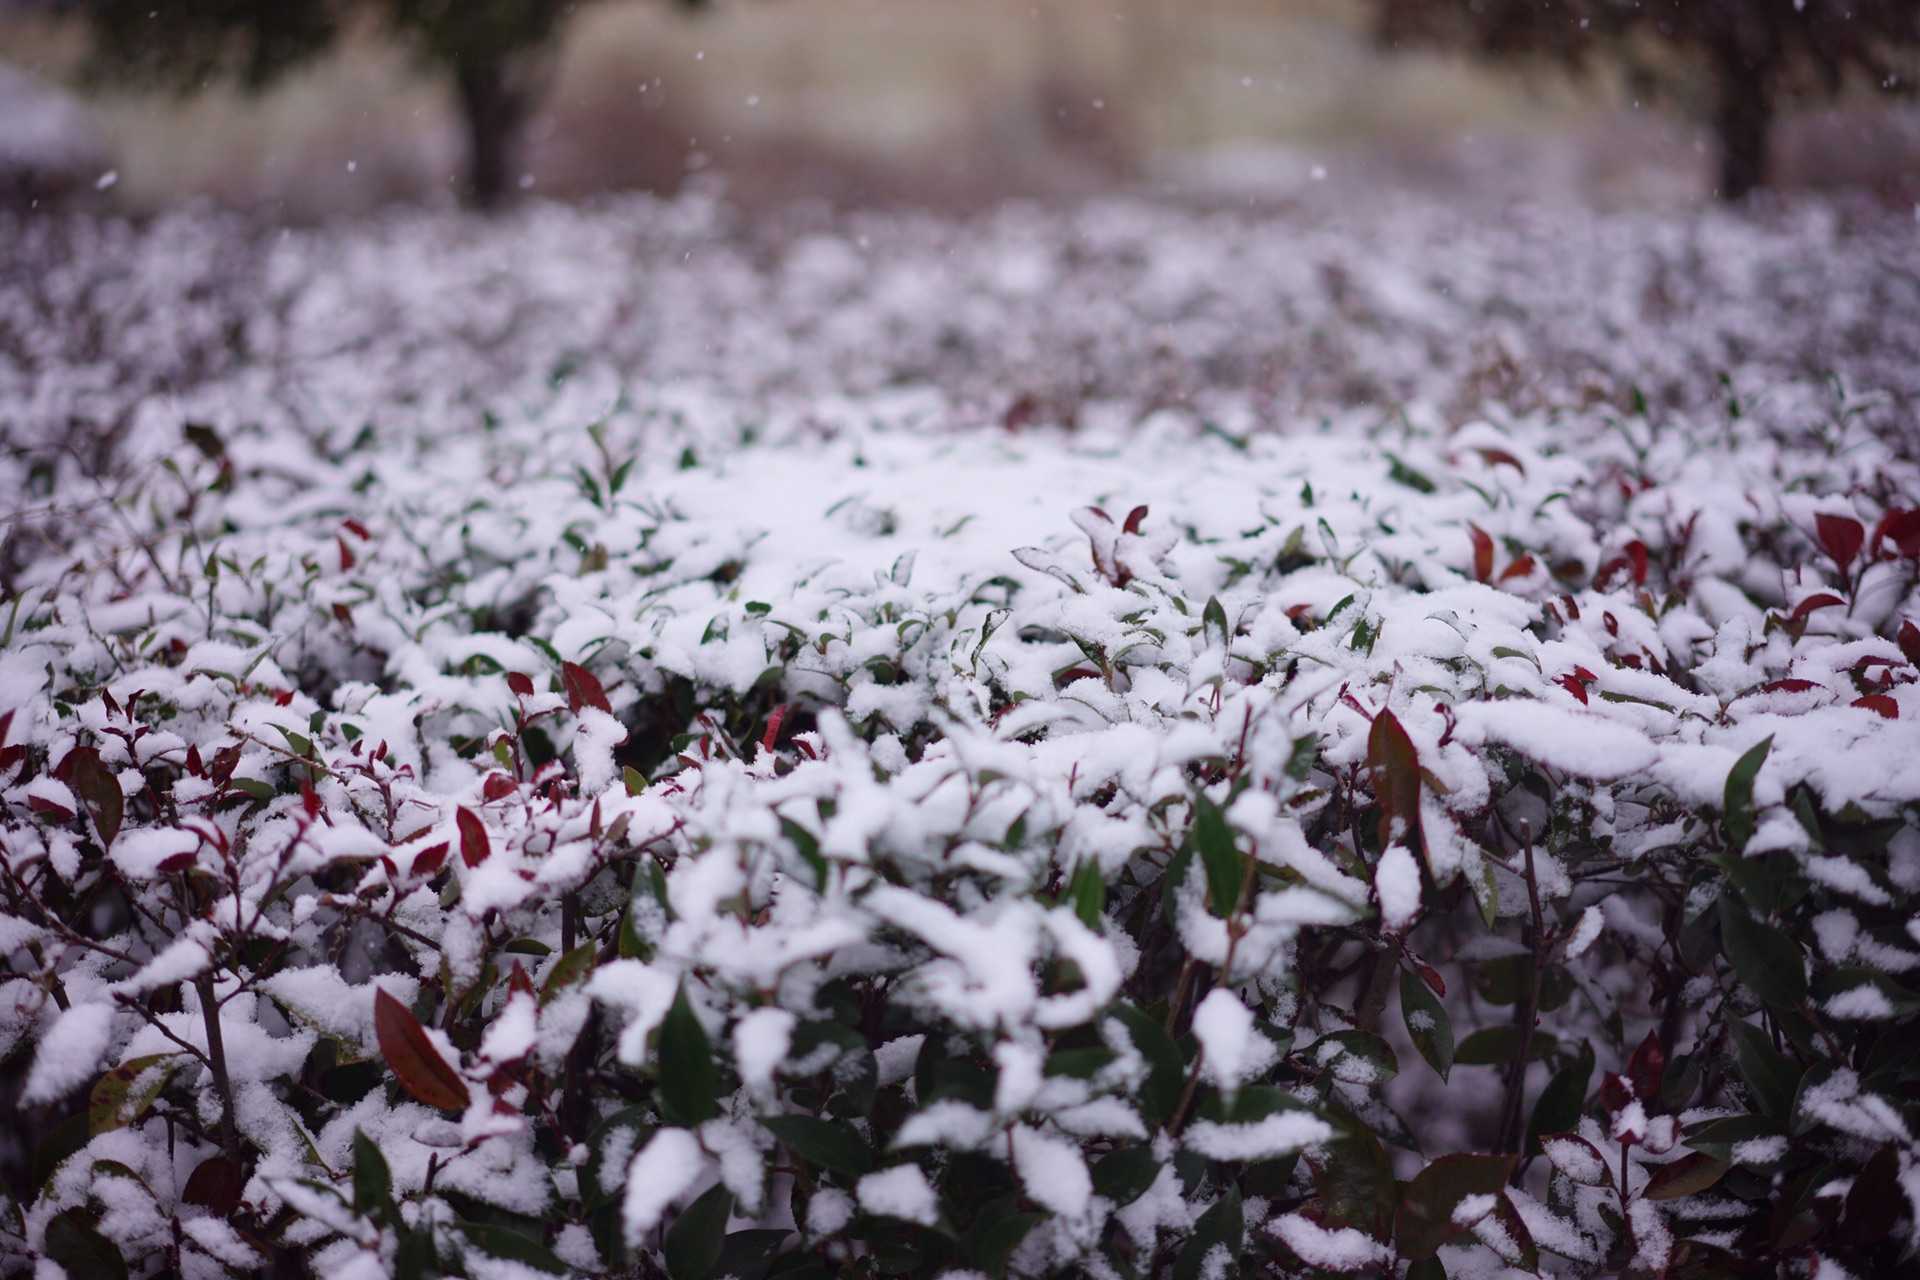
x=1559 y=488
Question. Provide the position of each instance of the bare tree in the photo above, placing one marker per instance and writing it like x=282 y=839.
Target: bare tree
x=1734 y=60
x=498 y=52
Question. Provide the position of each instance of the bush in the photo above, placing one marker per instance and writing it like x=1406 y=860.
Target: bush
x=635 y=847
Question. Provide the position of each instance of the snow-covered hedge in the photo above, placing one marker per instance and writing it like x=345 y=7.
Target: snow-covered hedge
x=493 y=789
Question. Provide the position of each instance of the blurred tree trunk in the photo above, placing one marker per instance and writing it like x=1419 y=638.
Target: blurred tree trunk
x=1742 y=119
x=495 y=109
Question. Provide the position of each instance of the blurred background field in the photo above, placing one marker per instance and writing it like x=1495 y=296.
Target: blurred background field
x=956 y=103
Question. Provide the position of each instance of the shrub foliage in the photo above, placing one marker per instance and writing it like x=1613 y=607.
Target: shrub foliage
x=627 y=849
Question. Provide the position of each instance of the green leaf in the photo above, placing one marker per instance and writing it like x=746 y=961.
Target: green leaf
x=1425 y=1218
x=825 y=1144
x=1486 y=889
x=1225 y=864
x=637 y=1120
x=372 y=1181
x=1765 y=959
x=689 y=1085
x=999 y=1241
x=1428 y=1025
x=696 y=1237
x=1213 y=620
x=1356 y=1057
x=1160 y=1093
x=1689 y=1175
x=1559 y=1106
x=1125 y=1175
x=508 y=1245
x=1355 y=1181
x=1080 y=1064
x=1719 y=1137
x=749 y=1254
x=1087 y=891
x=1224 y=1224
x=261 y=791
x=574 y=967
x=1739 y=794
x=122 y=1095
x=1770 y=1075
x=74 y=1243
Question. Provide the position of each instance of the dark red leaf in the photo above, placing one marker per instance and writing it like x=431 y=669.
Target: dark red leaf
x=418 y=1066
x=1494 y=457
x=1482 y=553
x=309 y=799
x=1431 y=976
x=1396 y=777
x=1818 y=600
x=282 y=697
x=1910 y=642
x=1790 y=685
x=1647 y=1068
x=1637 y=557
x=58 y=812
x=475 y=847
x=429 y=860
x=1615 y=1093
x=1842 y=537
x=1573 y=686
x=774 y=721
x=357 y=529
x=519 y=981
x=1134 y=517
x=346 y=553
x=498 y=786
x=343 y=614
x=583 y=688
x=1902 y=528
x=1522 y=566
x=178 y=862
x=521 y=684
x=1879 y=704
x=214 y=1185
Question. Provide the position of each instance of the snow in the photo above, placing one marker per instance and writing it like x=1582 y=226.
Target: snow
x=1330 y=1248
x=900 y=1192
x=784 y=479
x=69 y=1052
x=661 y=1173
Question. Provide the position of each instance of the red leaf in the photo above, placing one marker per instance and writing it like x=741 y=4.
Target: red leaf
x=1637 y=556
x=1493 y=457
x=1431 y=976
x=346 y=553
x=583 y=688
x=1842 y=536
x=498 y=786
x=176 y=862
x=343 y=613
x=1647 y=1068
x=1396 y=777
x=519 y=981
x=1573 y=686
x=418 y=1066
x=1615 y=1093
x=429 y=860
x=521 y=684
x=1879 y=704
x=309 y=799
x=774 y=721
x=1818 y=600
x=1520 y=568
x=58 y=812
x=214 y=1185
x=1134 y=517
x=1902 y=528
x=475 y=847
x=357 y=529
x=1910 y=642
x=1792 y=684
x=1482 y=553
x=283 y=697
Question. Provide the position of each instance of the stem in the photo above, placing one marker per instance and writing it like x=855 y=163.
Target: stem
x=1512 y=1122
x=217 y=1059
